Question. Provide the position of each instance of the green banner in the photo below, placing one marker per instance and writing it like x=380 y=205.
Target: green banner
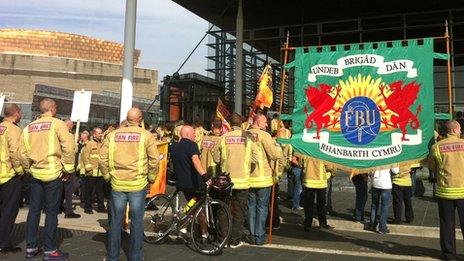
x=364 y=105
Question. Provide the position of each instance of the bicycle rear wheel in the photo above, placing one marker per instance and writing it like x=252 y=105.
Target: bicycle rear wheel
x=216 y=221
x=158 y=219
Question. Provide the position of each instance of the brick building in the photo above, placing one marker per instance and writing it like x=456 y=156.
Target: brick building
x=68 y=61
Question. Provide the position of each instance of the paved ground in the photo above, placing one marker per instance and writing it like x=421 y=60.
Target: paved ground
x=290 y=243
x=85 y=238
x=343 y=198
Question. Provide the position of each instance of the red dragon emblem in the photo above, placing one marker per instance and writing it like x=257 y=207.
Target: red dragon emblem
x=322 y=103
x=399 y=101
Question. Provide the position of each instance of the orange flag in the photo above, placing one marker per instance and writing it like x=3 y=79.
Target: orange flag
x=264 y=97
x=159 y=187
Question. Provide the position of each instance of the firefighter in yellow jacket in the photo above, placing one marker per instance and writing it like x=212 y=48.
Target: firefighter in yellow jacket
x=261 y=179
x=445 y=160
x=93 y=176
x=10 y=172
x=315 y=175
x=47 y=151
x=208 y=144
x=235 y=154
x=129 y=159
x=402 y=194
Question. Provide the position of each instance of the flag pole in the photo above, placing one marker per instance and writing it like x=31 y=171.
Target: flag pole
x=283 y=75
x=282 y=91
x=448 y=64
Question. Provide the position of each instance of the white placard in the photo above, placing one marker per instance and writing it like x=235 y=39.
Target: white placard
x=2 y=101
x=81 y=106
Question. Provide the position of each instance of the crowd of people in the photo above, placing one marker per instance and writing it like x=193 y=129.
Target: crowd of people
x=118 y=163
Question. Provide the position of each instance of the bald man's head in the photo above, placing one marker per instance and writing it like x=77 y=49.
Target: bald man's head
x=260 y=121
x=453 y=127
x=97 y=133
x=48 y=106
x=12 y=112
x=69 y=124
x=187 y=132
x=134 y=115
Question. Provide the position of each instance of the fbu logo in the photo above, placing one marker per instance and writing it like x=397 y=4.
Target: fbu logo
x=360 y=120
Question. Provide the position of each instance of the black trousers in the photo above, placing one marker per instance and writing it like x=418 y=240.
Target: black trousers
x=96 y=184
x=446 y=211
x=68 y=191
x=310 y=194
x=402 y=195
x=10 y=196
x=239 y=211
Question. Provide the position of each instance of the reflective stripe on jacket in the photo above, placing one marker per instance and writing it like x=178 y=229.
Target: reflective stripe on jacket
x=267 y=150
x=403 y=178
x=129 y=158
x=315 y=173
x=9 y=151
x=47 y=148
x=446 y=159
x=90 y=157
x=208 y=144
x=235 y=154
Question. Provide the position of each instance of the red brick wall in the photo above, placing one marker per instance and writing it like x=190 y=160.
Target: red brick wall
x=59 y=44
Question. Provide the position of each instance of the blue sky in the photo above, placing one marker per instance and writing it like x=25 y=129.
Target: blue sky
x=166 y=32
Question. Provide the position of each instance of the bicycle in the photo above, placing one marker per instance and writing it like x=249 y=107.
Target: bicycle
x=163 y=216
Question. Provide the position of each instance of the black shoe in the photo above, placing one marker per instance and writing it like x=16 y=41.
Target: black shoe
x=328 y=227
x=410 y=221
x=383 y=232
x=397 y=222
x=72 y=215
x=102 y=210
x=88 y=211
x=9 y=249
x=249 y=239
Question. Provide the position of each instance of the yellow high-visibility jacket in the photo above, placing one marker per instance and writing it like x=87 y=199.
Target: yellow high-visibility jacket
x=129 y=158
x=47 y=148
x=446 y=159
x=90 y=157
x=268 y=150
x=235 y=154
x=9 y=151
x=208 y=144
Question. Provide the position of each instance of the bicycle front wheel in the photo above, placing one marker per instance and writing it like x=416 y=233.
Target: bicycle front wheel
x=158 y=219
x=211 y=227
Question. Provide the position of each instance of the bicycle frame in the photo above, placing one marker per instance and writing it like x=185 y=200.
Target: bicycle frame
x=184 y=221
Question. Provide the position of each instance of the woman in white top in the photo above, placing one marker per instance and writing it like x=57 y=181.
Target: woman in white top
x=381 y=191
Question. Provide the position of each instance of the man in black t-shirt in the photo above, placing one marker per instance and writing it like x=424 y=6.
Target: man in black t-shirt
x=190 y=174
x=185 y=155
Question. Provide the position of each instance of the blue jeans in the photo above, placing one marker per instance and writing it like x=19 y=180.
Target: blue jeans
x=296 y=187
x=48 y=194
x=384 y=195
x=258 y=205
x=119 y=202
x=360 y=185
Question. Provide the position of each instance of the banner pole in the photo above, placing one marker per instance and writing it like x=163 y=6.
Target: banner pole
x=283 y=75
x=434 y=38
x=448 y=65
x=76 y=135
x=282 y=91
